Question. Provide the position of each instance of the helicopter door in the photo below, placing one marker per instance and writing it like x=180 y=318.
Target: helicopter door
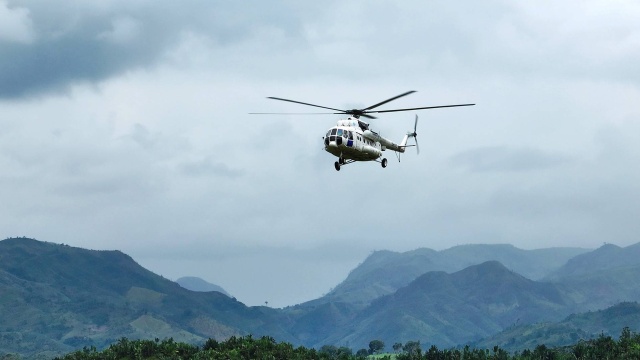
x=358 y=140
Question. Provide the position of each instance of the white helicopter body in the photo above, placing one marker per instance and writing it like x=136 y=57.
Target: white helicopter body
x=350 y=142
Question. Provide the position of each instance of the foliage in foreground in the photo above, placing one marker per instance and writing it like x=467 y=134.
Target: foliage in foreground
x=237 y=348
x=604 y=347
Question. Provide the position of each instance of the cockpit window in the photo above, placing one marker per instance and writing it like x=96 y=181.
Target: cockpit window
x=328 y=133
x=339 y=132
x=333 y=131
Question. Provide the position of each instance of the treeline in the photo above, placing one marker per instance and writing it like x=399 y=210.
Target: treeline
x=235 y=348
x=266 y=348
x=602 y=348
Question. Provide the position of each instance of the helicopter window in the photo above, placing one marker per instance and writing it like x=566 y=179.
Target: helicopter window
x=333 y=131
x=339 y=132
x=345 y=135
x=328 y=133
x=350 y=135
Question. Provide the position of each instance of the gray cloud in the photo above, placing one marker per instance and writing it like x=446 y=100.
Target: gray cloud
x=506 y=159
x=56 y=45
x=207 y=166
x=83 y=53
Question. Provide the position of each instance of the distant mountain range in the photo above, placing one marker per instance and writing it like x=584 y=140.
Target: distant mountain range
x=448 y=309
x=384 y=272
x=56 y=298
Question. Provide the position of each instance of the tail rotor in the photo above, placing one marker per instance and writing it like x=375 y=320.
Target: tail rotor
x=415 y=134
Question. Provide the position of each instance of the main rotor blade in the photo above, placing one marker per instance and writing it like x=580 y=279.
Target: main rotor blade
x=303 y=103
x=418 y=108
x=263 y=113
x=386 y=101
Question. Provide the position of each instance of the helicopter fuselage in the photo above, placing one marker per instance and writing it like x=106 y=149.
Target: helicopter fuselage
x=349 y=141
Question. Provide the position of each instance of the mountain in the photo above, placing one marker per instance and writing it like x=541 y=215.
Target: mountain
x=384 y=272
x=56 y=298
x=569 y=331
x=449 y=309
x=194 y=283
x=602 y=289
x=606 y=257
x=601 y=278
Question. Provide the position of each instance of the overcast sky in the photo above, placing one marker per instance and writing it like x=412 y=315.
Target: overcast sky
x=124 y=125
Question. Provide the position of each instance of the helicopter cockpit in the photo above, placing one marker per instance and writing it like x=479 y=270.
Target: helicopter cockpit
x=339 y=136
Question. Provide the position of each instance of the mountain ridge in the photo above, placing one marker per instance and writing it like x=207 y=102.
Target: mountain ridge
x=606 y=257
x=383 y=272
x=456 y=307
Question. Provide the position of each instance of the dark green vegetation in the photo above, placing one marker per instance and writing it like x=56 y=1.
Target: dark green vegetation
x=587 y=325
x=602 y=347
x=56 y=298
x=231 y=349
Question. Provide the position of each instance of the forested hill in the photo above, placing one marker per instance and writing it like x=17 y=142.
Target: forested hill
x=568 y=331
x=450 y=309
x=58 y=298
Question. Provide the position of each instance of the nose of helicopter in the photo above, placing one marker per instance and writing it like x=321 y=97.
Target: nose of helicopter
x=333 y=141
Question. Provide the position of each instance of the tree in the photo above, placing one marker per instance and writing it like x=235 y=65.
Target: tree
x=330 y=351
x=375 y=346
x=412 y=350
x=397 y=346
x=362 y=353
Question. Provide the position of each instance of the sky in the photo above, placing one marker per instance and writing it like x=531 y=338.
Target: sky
x=125 y=125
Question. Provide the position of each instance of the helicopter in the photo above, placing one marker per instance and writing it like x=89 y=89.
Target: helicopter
x=351 y=139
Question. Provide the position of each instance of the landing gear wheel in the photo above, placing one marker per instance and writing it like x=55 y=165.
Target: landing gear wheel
x=337 y=165
x=384 y=163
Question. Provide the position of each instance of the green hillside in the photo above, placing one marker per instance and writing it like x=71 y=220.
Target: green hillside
x=449 y=309
x=576 y=327
x=55 y=298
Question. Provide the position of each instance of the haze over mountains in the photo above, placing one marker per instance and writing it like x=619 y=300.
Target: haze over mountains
x=56 y=298
x=195 y=283
x=384 y=272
